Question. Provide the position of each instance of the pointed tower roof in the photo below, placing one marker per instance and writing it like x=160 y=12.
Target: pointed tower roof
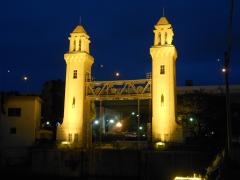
x=163 y=21
x=79 y=29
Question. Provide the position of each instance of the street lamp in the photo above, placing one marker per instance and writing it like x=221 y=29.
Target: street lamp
x=111 y=121
x=191 y=119
x=96 y=122
x=25 y=78
x=117 y=74
x=223 y=70
x=119 y=125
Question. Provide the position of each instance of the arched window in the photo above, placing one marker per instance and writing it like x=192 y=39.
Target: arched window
x=70 y=137
x=162 y=69
x=79 y=43
x=162 y=99
x=165 y=37
x=76 y=137
x=73 y=102
x=159 y=38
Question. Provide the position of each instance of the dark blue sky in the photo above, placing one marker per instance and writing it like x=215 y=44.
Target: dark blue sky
x=34 y=37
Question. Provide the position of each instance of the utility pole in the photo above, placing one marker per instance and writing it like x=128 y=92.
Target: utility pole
x=227 y=56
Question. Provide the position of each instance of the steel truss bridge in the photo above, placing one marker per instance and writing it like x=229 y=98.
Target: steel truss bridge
x=119 y=89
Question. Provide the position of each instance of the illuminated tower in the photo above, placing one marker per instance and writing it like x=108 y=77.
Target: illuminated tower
x=164 y=54
x=76 y=106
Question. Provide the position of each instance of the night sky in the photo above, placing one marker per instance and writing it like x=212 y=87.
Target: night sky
x=34 y=37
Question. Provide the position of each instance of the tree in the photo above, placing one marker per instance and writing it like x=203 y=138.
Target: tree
x=202 y=114
x=53 y=103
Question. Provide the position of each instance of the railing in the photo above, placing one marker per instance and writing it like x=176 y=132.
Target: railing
x=119 y=90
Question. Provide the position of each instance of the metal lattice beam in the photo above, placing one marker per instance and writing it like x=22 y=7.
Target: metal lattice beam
x=119 y=90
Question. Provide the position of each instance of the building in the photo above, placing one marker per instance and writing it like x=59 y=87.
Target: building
x=19 y=120
x=164 y=55
x=76 y=121
x=76 y=106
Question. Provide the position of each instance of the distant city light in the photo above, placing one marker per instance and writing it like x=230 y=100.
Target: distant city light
x=96 y=122
x=25 y=78
x=137 y=115
x=111 y=121
x=133 y=113
x=8 y=71
x=218 y=60
x=223 y=70
x=117 y=74
x=101 y=66
x=119 y=124
x=140 y=127
x=47 y=122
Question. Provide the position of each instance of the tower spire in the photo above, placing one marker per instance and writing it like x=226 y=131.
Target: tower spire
x=163 y=11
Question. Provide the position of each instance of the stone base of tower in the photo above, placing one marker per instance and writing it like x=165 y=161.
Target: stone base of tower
x=175 y=137
x=65 y=137
x=79 y=139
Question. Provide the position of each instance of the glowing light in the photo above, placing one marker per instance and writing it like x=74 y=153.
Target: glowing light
x=47 y=122
x=195 y=177
x=223 y=70
x=119 y=124
x=137 y=115
x=133 y=113
x=140 y=127
x=96 y=122
x=8 y=71
x=65 y=142
x=160 y=145
x=164 y=55
x=101 y=66
x=191 y=119
x=111 y=121
x=117 y=74
x=25 y=78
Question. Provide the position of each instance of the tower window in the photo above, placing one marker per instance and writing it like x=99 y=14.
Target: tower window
x=162 y=69
x=70 y=137
x=74 y=45
x=88 y=77
x=159 y=38
x=76 y=137
x=165 y=38
x=75 y=74
x=79 y=45
x=14 y=112
x=73 y=103
x=162 y=99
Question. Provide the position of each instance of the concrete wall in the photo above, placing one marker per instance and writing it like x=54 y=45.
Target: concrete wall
x=117 y=163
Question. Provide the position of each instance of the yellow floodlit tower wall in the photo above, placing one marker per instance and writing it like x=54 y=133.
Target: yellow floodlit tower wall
x=76 y=106
x=164 y=54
